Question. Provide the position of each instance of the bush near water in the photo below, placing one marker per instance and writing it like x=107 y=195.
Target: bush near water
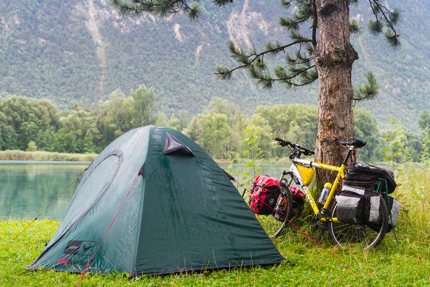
x=406 y=263
x=45 y=156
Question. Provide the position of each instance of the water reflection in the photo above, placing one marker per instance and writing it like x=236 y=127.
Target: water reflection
x=26 y=188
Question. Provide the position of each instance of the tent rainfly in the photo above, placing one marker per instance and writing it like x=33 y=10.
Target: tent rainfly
x=153 y=202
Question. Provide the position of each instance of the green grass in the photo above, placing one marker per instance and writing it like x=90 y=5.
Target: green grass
x=45 y=155
x=391 y=264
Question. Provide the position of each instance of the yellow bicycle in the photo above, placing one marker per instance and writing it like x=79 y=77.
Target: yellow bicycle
x=301 y=174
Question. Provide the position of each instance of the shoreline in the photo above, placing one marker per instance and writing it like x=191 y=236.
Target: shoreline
x=45 y=156
x=20 y=156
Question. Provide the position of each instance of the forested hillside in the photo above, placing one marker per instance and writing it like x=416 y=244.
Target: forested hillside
x=83 y=50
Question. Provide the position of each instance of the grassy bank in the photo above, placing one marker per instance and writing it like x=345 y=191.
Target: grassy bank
x=45 y=156
x=406 y=263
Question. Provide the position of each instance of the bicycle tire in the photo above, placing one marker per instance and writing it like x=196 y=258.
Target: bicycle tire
x=280 y=224
x=367 y=237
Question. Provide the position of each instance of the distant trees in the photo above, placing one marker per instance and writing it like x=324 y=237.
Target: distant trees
x=401 y=145
x=226 y=141
x=121 y=113
x=294 y=122
x=212 y=132
x=78 y=132
x=7 y=134
x=27 y=123
x=366 y=129
x=24 y=119
x=424 y=122
x=221 y=129
x=257 y=138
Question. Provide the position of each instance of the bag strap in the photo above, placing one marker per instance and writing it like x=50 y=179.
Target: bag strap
x=379 y=186
x=386 y=197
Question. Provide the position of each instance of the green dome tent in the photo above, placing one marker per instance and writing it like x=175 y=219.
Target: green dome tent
x=153 y=202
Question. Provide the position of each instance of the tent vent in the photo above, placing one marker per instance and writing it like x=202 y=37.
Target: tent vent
x=174 y=146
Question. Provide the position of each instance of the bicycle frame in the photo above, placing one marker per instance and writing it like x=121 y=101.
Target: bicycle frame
x=333 y=214
x=319 y=213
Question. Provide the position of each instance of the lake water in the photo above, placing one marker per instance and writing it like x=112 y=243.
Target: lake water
x=28 y=187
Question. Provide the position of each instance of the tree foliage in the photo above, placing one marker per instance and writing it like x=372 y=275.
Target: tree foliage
x=424 y=122
x=78 y=132
x=366 y=128
x=24 y=119
x=295 y=122
x=211 y=131
x=368 y=90
x=401 y=145
x=26 y=123
x=221 y=129
x=120 y=113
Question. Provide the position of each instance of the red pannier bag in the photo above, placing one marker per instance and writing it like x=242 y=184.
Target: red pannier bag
x=264 y=193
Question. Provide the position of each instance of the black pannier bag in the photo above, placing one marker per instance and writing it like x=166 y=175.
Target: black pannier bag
x=394 y=210
x=374 y=218
x=357 y=205
x=381 y=181
x=351 y=205
x=370 y=177
x=373 y=206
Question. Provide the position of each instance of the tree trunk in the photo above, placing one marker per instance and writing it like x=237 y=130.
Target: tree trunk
x=334 y=56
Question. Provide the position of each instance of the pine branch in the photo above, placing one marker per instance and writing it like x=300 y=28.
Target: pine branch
x=247 y=60
x=384 y=14
x=385 y=17
x=158 y=7
x=299 y=59
x=354 y=27
x=222 y=2
x=375 y=27
x=367 y=91
x=266 y=81
x=282 y=76
x=286 y=3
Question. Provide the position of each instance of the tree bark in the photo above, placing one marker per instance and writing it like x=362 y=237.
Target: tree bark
x=334 y=56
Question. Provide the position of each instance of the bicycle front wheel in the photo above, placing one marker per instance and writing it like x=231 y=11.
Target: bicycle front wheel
x=281 y=214
x=365 y=236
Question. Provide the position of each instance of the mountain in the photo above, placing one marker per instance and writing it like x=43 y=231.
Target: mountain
x=83 y=50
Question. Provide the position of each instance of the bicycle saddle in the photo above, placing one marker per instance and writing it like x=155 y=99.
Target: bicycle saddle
x=355 y=143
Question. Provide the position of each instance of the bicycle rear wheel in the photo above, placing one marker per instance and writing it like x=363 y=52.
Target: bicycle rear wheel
x=282 y=213
x=365 y=236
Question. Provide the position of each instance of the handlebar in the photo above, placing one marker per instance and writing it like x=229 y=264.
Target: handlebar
x=297 y=150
